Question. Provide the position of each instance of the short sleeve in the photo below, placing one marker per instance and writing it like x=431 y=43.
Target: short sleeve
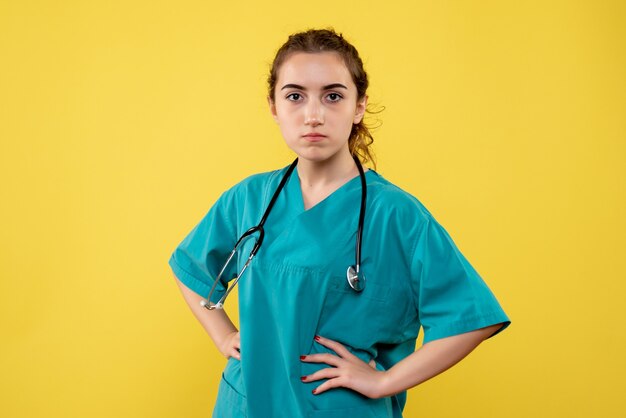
x=451 y=297
x=198 y=259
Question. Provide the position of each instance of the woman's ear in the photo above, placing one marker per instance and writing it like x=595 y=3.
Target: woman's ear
x=272 y=106
x=361 y=105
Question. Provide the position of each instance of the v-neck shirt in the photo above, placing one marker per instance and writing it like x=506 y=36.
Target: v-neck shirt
x=296 y=288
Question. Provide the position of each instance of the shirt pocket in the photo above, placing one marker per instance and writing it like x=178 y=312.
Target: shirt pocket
x=375 y=292
x=357 y=319
x=380 y=409
x=229 y=403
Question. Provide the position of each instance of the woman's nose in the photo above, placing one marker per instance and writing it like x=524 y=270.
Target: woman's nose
x=314 y=114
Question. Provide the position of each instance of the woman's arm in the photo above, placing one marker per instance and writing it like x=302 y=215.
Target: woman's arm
x=216 y=323
x=432 y=359
x=428 y=361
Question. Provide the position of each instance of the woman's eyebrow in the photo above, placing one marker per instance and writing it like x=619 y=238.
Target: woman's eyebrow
x=328 y=87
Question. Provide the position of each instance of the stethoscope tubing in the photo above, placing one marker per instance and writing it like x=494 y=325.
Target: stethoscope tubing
x=357 y=283
x=359 y=231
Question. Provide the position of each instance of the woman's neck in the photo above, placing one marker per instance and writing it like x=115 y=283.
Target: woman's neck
x=332 y=172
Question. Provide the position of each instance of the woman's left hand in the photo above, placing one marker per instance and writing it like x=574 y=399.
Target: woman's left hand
x=348 y=371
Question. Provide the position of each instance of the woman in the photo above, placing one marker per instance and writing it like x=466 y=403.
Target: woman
x=312 y=342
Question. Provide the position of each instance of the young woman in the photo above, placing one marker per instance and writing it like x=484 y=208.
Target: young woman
x=348 y=270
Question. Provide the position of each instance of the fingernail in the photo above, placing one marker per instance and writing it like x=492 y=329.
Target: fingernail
x=303 y=378
x=302 y=357
x=314 y=391
x=317 y=338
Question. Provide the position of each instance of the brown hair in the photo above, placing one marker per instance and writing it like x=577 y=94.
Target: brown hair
x=327 y=40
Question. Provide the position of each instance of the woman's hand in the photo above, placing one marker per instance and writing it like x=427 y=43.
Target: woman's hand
x=231 y=345
x=349 y=371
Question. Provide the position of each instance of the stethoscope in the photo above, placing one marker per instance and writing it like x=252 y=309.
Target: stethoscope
x=355 y=277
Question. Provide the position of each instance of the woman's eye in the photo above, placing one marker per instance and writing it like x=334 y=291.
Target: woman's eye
x=334 y=97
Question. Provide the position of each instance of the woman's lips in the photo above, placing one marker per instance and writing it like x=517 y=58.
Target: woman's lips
x=314 y=137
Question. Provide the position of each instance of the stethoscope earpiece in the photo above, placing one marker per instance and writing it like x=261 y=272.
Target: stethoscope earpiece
x=210 y=305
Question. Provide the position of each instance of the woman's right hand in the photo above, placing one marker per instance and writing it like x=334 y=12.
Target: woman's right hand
x=231 y=345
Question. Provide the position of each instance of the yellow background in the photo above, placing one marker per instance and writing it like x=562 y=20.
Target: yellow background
x=122 y=121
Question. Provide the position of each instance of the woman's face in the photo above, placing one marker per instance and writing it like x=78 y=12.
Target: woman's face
x=315 y=94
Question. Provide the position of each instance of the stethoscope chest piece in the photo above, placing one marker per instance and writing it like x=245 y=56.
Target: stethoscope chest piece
x=356 y=279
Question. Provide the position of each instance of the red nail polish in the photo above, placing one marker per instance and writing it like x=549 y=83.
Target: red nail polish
x=313 y=391
x=302 y=357
x=303 y=378
x=317 y=338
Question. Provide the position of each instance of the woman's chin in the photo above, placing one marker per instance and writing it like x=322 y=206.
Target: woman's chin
x=316 y=154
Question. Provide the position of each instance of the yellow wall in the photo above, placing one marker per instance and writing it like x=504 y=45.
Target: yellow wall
x=122 y=121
